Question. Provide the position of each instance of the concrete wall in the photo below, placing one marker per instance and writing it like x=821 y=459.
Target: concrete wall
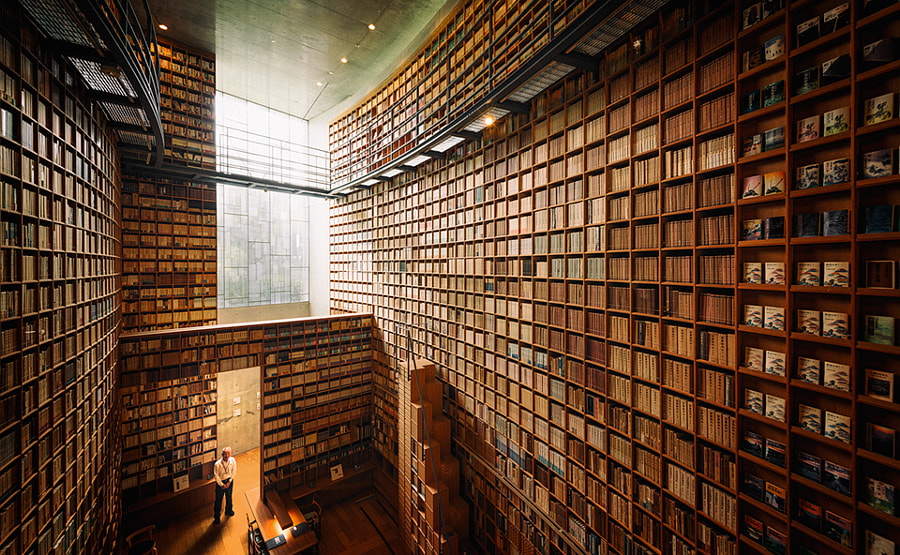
x=263 y=313
x=241 y=433
x=319 y=241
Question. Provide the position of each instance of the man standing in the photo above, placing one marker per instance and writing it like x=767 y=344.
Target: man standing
x=224 y=471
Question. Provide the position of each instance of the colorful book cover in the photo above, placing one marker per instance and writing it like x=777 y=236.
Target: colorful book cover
x=808 y=369
x=752 y=272
x=879 y=329
x=754 y=486
x=775 y=452
x=752 y=186
x=773 y=93
x=774 y=48
x=773 y=318
x=775 y=407
x=752 y=230
x=809 y=321
x=773 y=182
x=806 y=80
x=754 y=529
x=878 y=163
x=808 y=273
x=753 y=401
x=835 y=171
x=753 y=443
x=809 y=466
x=810 y=418
x=775 y=363
x=880 y=274
x=808 y=129
x=751 y=101
x=776 y=542
x=880 y=439
x=835 y=325
x=880 y=385
x=809 y=514
x=838 y=528
x=753 y=315
x=836 y=376
x=836 y=477
x=807 y=177
x=753 y=358
x=878 y=545
x=880 y=495
x=879 y=109
x=836 y=121
x=775 y=497
x=774 y=273
x=774 y=138
x=836 y=274
x=837 y=427
x=752 y=145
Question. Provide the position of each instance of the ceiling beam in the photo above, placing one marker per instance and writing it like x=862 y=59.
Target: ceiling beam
x=578 y=60
x=514 y=107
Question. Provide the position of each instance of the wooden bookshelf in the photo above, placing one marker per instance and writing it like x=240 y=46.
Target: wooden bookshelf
x=59 y=173
x=608 y=302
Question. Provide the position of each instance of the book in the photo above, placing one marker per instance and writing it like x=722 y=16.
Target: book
x=808 y=31
x=807 y=177
x=806 y=80
x=808 y=369
x=754 y=529
x=752 y=145
x=774 y=273
x=836 y=18
x=808 y=129
x=773 y=227
x=752 y=58
x=808 y=273
x=835 y=171
x=808 y=321
x=774 y=138
x=880 y=274
x=810 y=418
x=836 y=274
x=880 y=385
x=769 y=7
x=837 y=426
x=774 y=48
x=752 y=272
x=752 y=186
x=880 y=495
x=836 y=376
x=752 y=15
x=836 y=121
x=775 y=407
x=809 y=514
x=807 y=224
x=775 y=363
x=809 y=466
x=751 y=101
x=773 y=183
x=878 y=163
x=880 y=440
x=753 y=401
x=773 y=318
x=752 y=230
x=753 y=358
x=836 y=477
x=879 y=109
x=879 y=329
x=773 y=93
x=835 y=222
x=776 y=542
x=775 y=497
x=878 y=218
x=835 y=69
x=835 y=324
x=879 y=52
x=837 y=528
x=775 y=452
x=753 y=443
x=753 y=315
x=878 y=545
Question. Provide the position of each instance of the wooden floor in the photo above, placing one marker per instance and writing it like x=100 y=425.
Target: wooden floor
x=366 y=525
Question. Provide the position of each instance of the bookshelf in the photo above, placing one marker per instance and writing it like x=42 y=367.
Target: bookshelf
x=187 y=98
x=59 y=173
x=168 y=253
x=619 y=290
x=169 y=381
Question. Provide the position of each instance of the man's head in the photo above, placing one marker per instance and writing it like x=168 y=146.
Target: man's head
x=226 y=453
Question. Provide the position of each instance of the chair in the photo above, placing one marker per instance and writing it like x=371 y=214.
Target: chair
x=140 y=542
x=313 y=515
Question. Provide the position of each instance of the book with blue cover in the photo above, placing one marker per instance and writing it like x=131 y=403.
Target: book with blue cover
x=809 y=273
x=808 y=369
x=878 y=218
x=810 y=418
x=836 y=376
x=837 y=427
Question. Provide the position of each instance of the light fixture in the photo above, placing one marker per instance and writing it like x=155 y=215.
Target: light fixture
x=163 y=26
x=343 y=60
x=488 y=120
x=371 y=26
x=319 y=83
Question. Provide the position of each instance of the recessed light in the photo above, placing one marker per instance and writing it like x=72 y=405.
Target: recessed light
x=330 y=73
x=371 y=26
x=163 y=26
x=319 y=83
x=343 y=60
x=488 y=120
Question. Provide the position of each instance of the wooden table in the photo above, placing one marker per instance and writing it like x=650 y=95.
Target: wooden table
x=270 y=528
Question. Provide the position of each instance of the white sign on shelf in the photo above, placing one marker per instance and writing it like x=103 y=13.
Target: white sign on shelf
x=237 y=400
x=237 y=412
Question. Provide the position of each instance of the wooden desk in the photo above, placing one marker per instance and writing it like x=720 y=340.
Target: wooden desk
x=270 y=528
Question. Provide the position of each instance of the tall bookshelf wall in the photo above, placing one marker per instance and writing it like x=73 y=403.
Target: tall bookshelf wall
x=627 y=339
x=59 y=260
x=315 y=379
x=168 y=253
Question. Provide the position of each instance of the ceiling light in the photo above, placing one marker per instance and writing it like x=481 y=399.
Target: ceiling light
x=318 y=83
x=371 y=26
x=488 y=120
x=163 y=26
x=343 y=60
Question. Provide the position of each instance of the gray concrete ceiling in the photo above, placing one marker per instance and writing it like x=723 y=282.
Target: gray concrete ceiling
x=274 y=52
